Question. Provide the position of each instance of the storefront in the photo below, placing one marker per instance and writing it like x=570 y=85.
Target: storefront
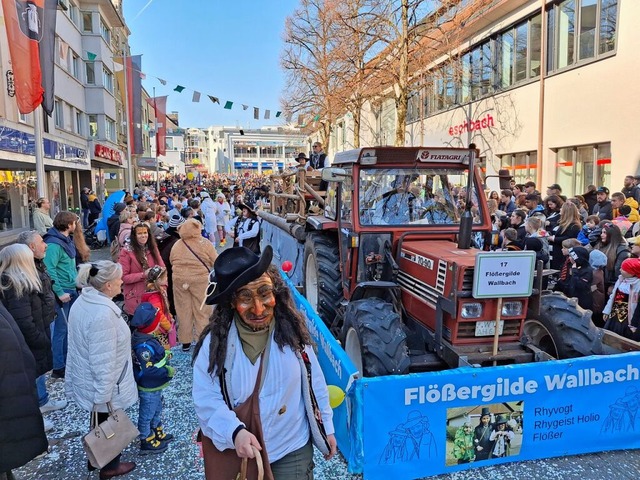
x=64 y=166
x=107 y=169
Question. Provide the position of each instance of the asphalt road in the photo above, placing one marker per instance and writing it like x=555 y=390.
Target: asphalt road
x=66 y=460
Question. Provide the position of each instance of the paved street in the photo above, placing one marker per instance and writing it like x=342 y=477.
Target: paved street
x=181 y=461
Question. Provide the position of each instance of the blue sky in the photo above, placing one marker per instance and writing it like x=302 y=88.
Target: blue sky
x=225 y=48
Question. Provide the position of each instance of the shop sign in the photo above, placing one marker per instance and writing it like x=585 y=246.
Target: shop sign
x=17 y=141
x=105 y=153
x=472 y=125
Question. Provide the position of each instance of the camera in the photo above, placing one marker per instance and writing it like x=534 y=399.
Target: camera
x=154 y=273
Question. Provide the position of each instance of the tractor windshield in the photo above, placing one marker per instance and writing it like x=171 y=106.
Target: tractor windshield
x=420 y=196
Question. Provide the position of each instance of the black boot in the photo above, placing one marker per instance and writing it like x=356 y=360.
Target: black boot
x=161 y=435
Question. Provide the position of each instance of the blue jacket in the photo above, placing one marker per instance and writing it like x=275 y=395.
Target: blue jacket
x=150 y=363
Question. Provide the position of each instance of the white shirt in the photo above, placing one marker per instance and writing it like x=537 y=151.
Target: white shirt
x=281 y=392
x=248 y=229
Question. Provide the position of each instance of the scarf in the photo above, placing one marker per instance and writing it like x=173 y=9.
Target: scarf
x=253 y=342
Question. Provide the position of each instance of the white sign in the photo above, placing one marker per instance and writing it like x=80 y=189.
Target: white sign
x=503 y=274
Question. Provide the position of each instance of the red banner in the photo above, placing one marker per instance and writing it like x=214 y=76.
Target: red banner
x=160 y=107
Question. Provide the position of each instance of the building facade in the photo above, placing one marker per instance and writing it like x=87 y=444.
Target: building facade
x=552 y=107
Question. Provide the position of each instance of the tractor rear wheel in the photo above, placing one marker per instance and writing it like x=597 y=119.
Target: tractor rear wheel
x=564 y=329
x=322 y=279
x=374 y=339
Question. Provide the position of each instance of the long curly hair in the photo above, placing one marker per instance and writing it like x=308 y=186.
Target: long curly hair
x=140 y=251
x=290 y=327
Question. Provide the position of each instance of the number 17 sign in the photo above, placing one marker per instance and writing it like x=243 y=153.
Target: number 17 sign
x=503 y=274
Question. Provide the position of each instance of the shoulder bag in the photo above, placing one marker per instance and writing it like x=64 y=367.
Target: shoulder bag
x=196 y=255
x=316 y=426
x=108 y=439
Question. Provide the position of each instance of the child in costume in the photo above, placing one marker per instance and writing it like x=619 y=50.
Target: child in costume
x=162 y=327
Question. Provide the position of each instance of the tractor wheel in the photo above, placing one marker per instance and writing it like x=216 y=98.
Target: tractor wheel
x=322 y=279
x=564 y=329
x=374 y=339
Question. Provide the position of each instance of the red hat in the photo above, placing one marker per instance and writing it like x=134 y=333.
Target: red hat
x=632 y=266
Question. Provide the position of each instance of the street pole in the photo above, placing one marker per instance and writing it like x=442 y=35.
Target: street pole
x=41 y=184
x=155 y=129
x=128 y=117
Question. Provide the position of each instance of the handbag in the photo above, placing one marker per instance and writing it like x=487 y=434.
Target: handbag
x=108 y=439
x=314 y=416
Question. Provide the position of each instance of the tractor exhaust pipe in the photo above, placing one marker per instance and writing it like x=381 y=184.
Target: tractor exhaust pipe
x=466 y=220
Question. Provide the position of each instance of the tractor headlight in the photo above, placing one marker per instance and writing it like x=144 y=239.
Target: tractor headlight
x=471 y=310
x=512 y=309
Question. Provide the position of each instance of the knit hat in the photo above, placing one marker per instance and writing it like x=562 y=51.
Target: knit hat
x=580 y=255
x=119 y=207
x=632 y=266
x=176 y=220
x=597 y=259
x=204 y=195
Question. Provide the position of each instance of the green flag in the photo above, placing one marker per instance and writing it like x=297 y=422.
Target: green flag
x=278 y=114
x=316 y=118
x=91 y=56
x=179 y=89
x=228 y=105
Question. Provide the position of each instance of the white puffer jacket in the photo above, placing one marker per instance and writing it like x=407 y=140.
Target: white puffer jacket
x=99 y=365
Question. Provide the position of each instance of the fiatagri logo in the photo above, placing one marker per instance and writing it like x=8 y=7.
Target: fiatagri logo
x=470 y=126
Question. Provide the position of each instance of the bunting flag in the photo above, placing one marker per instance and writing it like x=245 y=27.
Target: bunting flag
x=289 y=117
x=278 y=114
x=91 y=56
x=196 y=97
x=179 y=89
x=244 y=107
x=267 y=114
x=31 y=33
x=316 y=118
x=228 y=105
x=256 y=113
x=134 y=97
x=160 y=108
x=163 y=82
x=214 y=99
x=143 y=76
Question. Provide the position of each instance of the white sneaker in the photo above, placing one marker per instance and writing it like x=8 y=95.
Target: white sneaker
x=52 y=405
x=48 y=425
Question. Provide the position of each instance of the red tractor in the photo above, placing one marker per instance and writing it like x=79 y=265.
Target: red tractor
x=388 y=266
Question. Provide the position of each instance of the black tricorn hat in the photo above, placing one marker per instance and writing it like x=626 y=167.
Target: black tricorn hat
x=234 y=268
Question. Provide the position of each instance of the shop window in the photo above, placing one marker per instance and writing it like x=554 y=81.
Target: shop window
x=580 y=166
x=13 y=186
x=90 y=68
x=580 y=30
x=522 y=166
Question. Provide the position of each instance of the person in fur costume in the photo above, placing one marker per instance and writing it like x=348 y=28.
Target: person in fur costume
x=192 y=259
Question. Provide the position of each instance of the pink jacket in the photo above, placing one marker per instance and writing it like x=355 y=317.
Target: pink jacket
x=133 y=277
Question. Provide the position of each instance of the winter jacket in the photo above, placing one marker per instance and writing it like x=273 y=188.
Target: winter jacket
x=113 y=226
x=99 y=367
x=559 y=236
x=94 y=205
x=84 y=201
x=579 y=286
x=22 y=435
x=41 y=221
x=209 y=211
x=150 y=363
x=185 y=266
x=134 y=277
x=60 y=260
x=598 y=290
x=124 y=233
x=611 y=276
x=47 y=295
x=604 y=210
x=27 y=313
x=634 y=216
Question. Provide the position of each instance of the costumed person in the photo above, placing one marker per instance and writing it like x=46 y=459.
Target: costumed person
x=580 y=278
x=223 y=214
x=156 y=295
x=152 y=373
x=99 y=366
x=22 y=436
x=191 y=258
x=252 y=371
x=249 y=230
x=501 y=438
x=482 y=434
x=463 y=448
x=623 y=301
x=208 y=209
x=137 y=258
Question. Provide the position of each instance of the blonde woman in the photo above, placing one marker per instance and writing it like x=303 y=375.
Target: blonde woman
x=21 y=294
x=99 y=368
x=568 y=226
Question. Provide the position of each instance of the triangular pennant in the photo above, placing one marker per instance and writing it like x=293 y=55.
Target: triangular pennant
x=256 y=113
x=228 y=105
x=163 y=82
x=92 y=56
x=244 y=107
x=267 y=114
x=289 y=117
x=196 y=97
x=143 y=76
x=179 y=89
x=278 y=114
x=316 y=118
x=214 y=99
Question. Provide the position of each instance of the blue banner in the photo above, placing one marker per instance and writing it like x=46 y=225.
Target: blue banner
x=16 y=141
x=430 y=423
x=338 y=371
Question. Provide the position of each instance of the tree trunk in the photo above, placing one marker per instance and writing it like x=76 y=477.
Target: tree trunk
x=402 y=96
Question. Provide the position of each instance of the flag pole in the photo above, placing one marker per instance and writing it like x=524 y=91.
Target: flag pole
x=126 y=103
x=155 y=128
x=41 y=181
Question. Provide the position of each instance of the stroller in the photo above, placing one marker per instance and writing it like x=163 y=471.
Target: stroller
x=95 y=242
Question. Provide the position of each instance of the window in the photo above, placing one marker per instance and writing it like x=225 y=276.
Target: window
x=74 y=14
x=168 y=143
x=522 y=166
x=75 y=65
x=91 y=72
x=93 y=126
x=519 y=57
x=580 y=166
x=506 y=59
x=24 y=117
x=87 y=22
x=104 y=31
x=107 y=79
x=78 y=127
x=58 y=114
x=413 y=113
x=110 y=130
x=580 y=30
